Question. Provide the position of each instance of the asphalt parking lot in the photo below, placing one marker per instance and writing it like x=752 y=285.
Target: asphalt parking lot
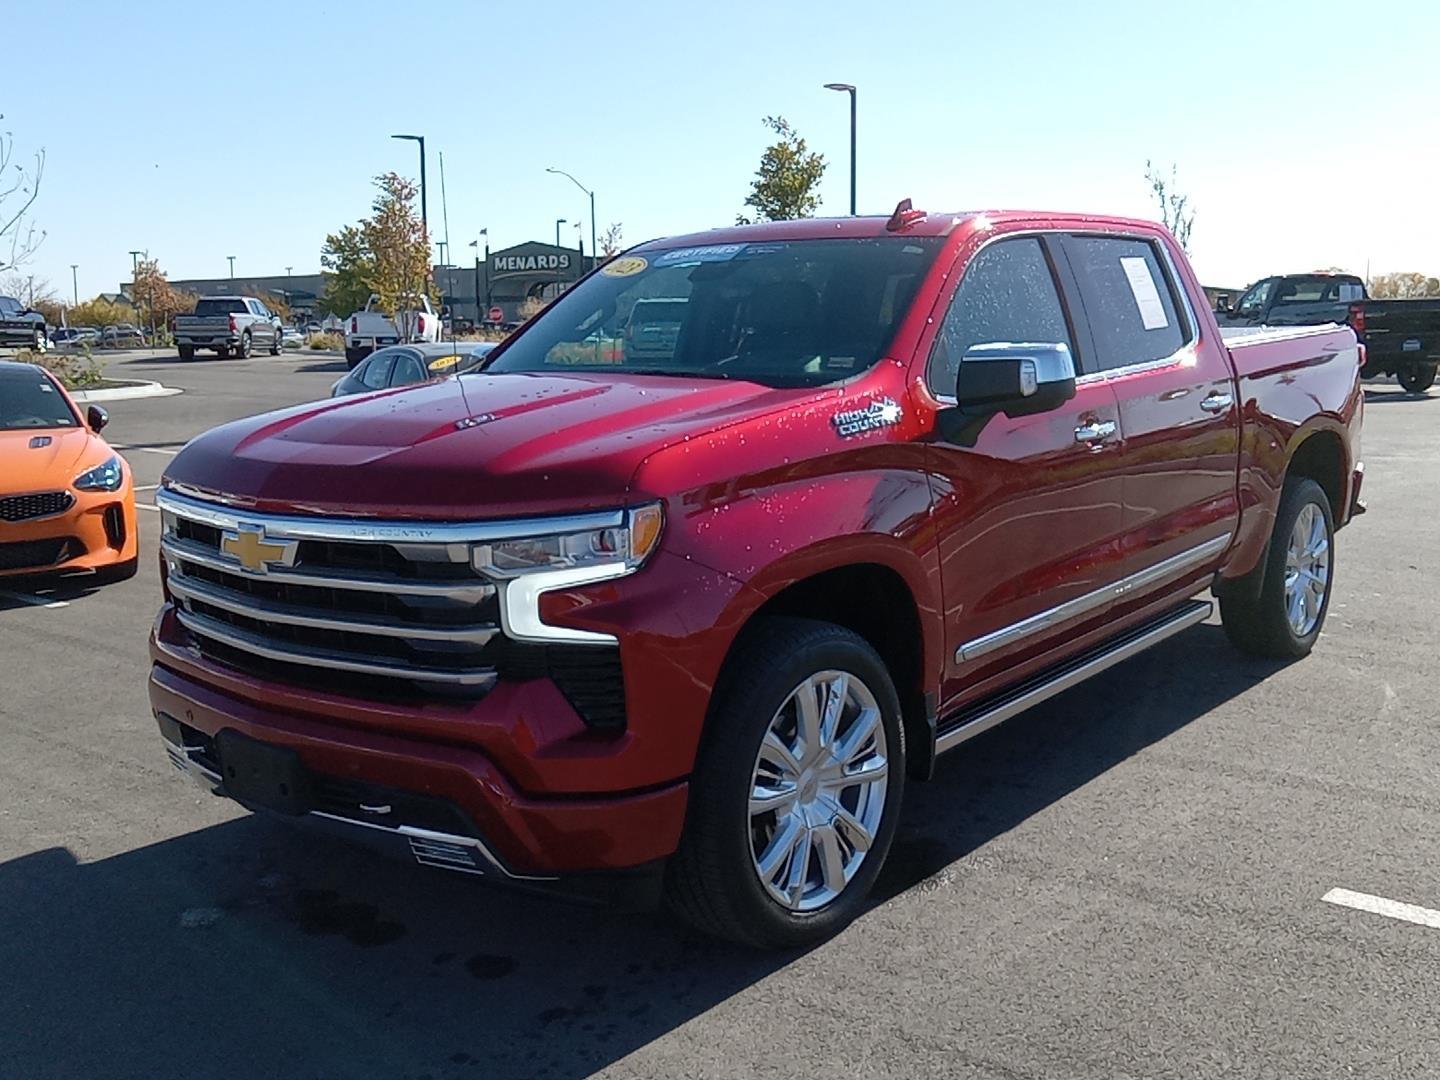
x=1125 y=882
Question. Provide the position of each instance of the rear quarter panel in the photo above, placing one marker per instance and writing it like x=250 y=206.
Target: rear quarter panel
x=1291 y=388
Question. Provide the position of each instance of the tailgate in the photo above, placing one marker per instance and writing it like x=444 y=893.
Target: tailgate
x=1390 y=323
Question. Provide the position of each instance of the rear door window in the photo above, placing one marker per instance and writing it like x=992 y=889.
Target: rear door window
x=1007 y=296
x=407 y=370
x=377 y=372
x=1129 y=299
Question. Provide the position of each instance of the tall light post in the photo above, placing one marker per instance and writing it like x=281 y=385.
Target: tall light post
x=558 y=222
x=75 y=282
x=594 y=248
x=232 y=268
x=847 y=88
x=424 y=217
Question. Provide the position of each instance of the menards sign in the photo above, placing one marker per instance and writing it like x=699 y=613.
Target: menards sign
x=518 y=263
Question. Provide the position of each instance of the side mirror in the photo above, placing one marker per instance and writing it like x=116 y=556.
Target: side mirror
x=1017 y=379
x=96 y=418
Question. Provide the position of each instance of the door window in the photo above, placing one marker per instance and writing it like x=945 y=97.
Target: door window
x=1008 y=295
x=1129 y=300
x=1252 y=304
x=377 y=372
x=407 y=370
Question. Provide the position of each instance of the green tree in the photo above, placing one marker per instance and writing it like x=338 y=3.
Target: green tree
x=784 y=185
x=1175 y=212
x=99 y=313
x=348 y=267
x=1403 y=286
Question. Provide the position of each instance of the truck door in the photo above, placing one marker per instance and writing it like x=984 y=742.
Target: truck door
x=1027 y=519
x=1176 y=391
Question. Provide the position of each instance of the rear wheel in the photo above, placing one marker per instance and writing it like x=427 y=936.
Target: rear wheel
x=1284 y=620
x=796 y=794
x=353 y=358
x=1417 y=378
x=244 y=348
x=187 y=352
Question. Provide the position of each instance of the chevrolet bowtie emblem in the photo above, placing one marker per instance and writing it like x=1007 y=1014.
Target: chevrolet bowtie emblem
x=250 y=549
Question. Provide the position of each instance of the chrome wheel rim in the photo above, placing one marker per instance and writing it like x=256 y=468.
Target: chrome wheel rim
x=1307 y=570
x=817 y=793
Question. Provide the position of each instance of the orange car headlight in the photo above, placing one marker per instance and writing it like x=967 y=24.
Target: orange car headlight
x=106 y=477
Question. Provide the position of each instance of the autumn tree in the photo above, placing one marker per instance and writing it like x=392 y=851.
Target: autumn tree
x=1175 y=212
x=19 y=188
x=612 y=241
x=158 y=300
x=1403 y=286
x=100 y=312
x=784 y=185
x=395 y=237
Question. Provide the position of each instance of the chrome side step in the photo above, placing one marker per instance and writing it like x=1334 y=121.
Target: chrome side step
x=986 y=715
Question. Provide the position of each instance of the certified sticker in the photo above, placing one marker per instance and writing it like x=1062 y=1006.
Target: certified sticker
x=629 y=266
x=444 y=363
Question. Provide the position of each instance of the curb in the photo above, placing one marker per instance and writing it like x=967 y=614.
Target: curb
x=135 y=388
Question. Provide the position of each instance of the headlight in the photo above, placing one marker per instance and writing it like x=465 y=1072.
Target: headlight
x=531 y=566
x=106 y=477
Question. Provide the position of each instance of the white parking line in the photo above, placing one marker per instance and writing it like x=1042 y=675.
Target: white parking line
x=1378 y=905
x=146 y=449
x=33 y=601
x=148 y=506
x=146 y=487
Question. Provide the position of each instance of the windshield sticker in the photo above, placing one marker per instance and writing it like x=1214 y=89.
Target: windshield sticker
x=444 y=363
x=629 y=266
x=1147 y=297
x=710 y=253
x=880 y=413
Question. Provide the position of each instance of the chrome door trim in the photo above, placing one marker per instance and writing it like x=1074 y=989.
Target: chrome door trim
x=1081 y=605
x=1184 y=618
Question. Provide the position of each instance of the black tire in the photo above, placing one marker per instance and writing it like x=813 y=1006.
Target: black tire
x=222 y=351
x=277 y=344
x=245 y=347
x=108 y=575
x=1260 y=624
x=187 y=352
x=353 y=358
x=1417 y=378
x=712 y=882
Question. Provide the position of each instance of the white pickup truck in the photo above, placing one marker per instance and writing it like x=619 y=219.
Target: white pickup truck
x=372 y=329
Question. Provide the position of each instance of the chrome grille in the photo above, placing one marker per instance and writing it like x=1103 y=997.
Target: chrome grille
x=36 y=505
x=348 y=604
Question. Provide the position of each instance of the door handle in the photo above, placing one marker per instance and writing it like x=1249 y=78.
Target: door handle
x=1095 y=431
x=1217 y=403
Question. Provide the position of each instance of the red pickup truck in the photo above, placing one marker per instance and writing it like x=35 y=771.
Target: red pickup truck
x=686 y=620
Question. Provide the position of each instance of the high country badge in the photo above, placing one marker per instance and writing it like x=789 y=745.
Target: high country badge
x=883 y=412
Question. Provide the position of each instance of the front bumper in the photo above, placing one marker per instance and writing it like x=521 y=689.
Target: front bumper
x=449 y=805
x=97 y=531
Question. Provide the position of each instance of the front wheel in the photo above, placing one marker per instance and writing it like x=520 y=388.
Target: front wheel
x=276 y=344
x=1417 y=378
x=1283 y=621
x=796 y=794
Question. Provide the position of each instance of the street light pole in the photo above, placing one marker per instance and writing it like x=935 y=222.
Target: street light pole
x=847 y=88
x=424 y=217
x=558 y=223
x=594 y=248
x=75 y=282
x=232 y=268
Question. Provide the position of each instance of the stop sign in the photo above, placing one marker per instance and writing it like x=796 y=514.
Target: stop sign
x=495 y=315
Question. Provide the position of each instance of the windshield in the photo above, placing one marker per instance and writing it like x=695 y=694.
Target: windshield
x=221 y=307
x=28 y=399
x=794 y=313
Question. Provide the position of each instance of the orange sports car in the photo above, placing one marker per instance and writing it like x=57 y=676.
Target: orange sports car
x=67 y=501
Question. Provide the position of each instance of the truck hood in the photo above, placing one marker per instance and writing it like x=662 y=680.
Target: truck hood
x=473 y=447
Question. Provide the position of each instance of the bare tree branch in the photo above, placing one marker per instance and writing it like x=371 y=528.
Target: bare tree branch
x=16 y=232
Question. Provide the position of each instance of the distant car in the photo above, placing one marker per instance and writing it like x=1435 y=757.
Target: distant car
x=119 y=335
x=292 y=338
x=21 y=327
x=654 y=327
x=372 y=329
x=402 y=365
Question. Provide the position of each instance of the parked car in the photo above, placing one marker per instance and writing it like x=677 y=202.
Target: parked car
x=689 y=626
x=292 y=338
x=372 y=329
x=230 y=325
x=20 y=327
x=1401 y=337
x=67 y=500
x=122 y=335
x=402 y=365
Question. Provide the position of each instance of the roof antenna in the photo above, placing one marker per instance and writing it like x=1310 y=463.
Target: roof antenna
x=903 y=216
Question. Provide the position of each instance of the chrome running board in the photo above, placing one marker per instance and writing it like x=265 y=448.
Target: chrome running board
x=984 y=716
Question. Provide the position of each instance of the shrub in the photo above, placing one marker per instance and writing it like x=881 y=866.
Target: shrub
x=76 y=370
x=329 y=340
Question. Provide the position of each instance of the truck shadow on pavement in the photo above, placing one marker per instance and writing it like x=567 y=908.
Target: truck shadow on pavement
x=244 y=950
x=1383 y=397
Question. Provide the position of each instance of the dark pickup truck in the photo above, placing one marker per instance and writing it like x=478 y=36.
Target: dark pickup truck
x=1401 y=337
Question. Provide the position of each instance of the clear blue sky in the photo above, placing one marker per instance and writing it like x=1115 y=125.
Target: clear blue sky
x=1305 y=133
